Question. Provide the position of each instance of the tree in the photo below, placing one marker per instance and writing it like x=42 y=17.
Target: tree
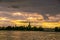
x=56 y=29
x=40 y=29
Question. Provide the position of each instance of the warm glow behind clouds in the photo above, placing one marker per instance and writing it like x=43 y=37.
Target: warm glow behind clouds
x=1 y=18
x=22 y=19
x=17 y=14
x=19 y=22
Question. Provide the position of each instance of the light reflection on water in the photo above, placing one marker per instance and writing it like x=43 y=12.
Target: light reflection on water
x=31 y=35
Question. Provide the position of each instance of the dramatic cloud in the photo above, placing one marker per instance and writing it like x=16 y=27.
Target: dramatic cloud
x=29 y=10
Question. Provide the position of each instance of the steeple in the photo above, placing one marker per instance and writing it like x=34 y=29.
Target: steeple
x=29 y=25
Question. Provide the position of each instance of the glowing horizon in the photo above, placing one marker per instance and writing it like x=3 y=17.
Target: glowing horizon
x=35 y=19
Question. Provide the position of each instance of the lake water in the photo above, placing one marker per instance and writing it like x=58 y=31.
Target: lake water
x=29 y=35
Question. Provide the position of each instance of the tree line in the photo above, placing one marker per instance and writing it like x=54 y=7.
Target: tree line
x=27 y=28
x=57 y=29
x=22 y=28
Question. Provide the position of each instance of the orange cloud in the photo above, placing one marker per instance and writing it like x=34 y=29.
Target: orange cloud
x=17 y=14
x=29 y=16
x=4 y=18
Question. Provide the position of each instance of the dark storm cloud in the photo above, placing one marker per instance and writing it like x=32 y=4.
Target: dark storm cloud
x=43 y=6
x=51 y=7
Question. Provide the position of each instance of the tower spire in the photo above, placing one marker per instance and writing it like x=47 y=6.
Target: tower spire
x=29 y=25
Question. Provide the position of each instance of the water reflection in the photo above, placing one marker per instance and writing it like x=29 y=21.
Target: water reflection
x=25 y=35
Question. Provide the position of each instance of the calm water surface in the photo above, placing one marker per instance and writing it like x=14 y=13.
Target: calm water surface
x=29 y=35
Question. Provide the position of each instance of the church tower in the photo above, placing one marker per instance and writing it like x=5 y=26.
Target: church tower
x=29 y=26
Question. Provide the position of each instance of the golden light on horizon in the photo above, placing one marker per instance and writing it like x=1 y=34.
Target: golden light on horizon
x=19 y=22
x=51 y=24
x=1 y=18
x=43 y=24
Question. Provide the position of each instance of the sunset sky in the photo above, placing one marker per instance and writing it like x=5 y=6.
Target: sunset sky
x=38 y=12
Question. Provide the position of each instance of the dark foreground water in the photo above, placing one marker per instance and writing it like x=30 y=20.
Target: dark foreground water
x=29 y=35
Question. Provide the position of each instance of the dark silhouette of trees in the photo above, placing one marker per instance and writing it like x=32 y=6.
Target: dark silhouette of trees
x=8 y=28
x=34 y=28
x=41 y=29
x=29 y=28
x=57 y=29
x=22 y=28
